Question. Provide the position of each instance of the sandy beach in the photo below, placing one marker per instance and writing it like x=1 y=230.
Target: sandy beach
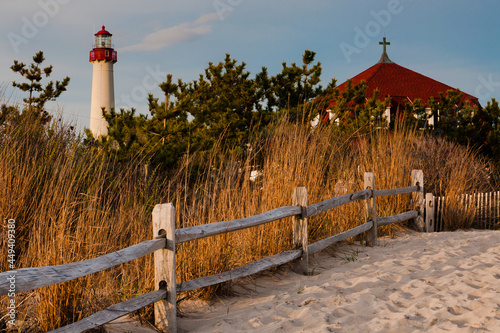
x=436 y=282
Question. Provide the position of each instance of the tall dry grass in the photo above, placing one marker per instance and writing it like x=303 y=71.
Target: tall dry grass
x=452 y=171
x=72 y=203
x=328 y=164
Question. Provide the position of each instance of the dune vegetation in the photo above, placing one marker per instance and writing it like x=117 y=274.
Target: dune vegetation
x=73 y=202
x=75 y=198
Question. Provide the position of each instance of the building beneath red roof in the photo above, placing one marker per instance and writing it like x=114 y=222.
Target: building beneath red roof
x=401 y=84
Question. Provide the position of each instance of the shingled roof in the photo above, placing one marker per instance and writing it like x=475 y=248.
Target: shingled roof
x=401 y=83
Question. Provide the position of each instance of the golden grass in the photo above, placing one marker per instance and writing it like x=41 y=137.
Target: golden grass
x=72 y=204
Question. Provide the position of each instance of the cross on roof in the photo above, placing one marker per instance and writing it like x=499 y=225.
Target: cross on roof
x=384 y=43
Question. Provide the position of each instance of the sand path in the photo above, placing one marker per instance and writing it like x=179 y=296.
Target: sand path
x=437 y=282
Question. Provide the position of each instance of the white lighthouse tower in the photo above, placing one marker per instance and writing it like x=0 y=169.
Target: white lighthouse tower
x=103 y=57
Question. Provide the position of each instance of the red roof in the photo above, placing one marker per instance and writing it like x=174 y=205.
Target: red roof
x=401 y=83
x=103 y=32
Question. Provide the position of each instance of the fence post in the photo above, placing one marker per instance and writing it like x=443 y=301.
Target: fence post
x=300 y=240
x=488 y=208
x=164 y=259
x=497 y=210
x=481 y=209
x=440 y=225
x=417 y=179
x=429 y=212
x=497 y=213
x=371 y=209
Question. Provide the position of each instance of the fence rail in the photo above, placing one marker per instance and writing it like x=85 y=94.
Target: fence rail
x=212 y=229
x=38 y=277
x=166 y=238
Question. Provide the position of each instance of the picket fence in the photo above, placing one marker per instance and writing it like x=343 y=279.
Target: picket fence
x=166 y=237
x=482 y=209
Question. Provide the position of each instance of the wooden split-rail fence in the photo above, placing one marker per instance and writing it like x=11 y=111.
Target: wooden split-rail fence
x=166 y=237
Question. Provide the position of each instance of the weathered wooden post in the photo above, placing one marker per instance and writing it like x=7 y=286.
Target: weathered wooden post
x=438 y=214
x=429 y=212
x=300 y=239
x=417 y=179
x=371 y=209
x=165 y=310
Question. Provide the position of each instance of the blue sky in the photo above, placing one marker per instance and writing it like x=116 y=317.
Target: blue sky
x=455 y=42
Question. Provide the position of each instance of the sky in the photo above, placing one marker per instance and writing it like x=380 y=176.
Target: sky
x=453 y=41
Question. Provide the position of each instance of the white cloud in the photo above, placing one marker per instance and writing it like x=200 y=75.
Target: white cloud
x=207 y=18
x=187 y=31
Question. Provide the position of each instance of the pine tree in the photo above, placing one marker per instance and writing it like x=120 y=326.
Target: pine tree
x=413 y=115
x=296 y=86
x=168 y=129
x=161 y=139
x=450 y=115
x=353 y=110
x=38 y=94
x=484 y=130
x=225 y=106
x=224 y=103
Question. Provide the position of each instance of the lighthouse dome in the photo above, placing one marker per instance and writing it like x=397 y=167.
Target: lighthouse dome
x=103 y=31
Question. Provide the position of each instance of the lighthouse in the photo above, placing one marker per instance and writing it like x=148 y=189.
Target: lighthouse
x=102 y=57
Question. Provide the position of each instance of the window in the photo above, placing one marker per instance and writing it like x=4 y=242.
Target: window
x=103 y=41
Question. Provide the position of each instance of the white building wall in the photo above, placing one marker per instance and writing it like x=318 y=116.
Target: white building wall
x=103 y=95
x=387 y=115
x=430 y=121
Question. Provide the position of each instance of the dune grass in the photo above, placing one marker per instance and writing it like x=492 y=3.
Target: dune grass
x=73 y=203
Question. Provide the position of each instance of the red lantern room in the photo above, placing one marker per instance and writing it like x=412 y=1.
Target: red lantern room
x=102 y=48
